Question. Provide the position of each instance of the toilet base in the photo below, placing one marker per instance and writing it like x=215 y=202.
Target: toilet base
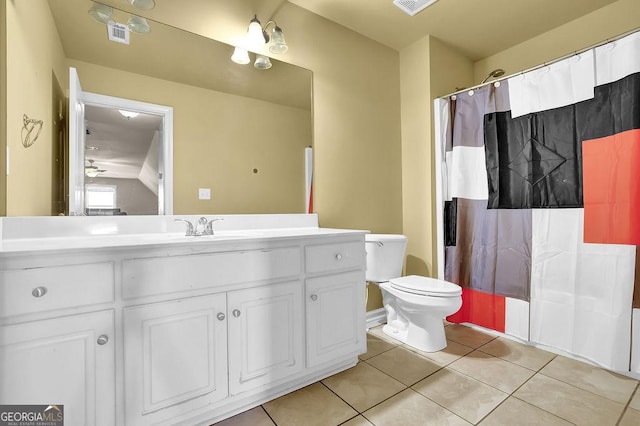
x=427 y=335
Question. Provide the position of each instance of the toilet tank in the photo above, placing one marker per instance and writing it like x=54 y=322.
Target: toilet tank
x=385 y=256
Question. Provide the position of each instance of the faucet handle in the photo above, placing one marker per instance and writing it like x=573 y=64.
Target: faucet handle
x=209 y=229
x=190 y=231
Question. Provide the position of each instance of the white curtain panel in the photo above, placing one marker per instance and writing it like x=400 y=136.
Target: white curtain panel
x=562 y=83
x=580 y=293
x=516 y=318
x=618 y=59
x=468 y=173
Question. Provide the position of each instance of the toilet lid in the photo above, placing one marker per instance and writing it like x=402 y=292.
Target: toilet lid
x=426 y=286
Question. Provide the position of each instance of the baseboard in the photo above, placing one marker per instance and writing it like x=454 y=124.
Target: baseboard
x=376 y=317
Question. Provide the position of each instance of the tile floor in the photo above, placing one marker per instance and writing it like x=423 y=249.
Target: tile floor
x=477 y=379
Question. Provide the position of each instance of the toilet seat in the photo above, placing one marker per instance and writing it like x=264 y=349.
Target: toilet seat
x=425 y=286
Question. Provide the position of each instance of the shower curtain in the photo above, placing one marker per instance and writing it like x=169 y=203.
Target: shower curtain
x=539 y=199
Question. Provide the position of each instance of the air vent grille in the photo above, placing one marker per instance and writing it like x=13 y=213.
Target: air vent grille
x=413 y=6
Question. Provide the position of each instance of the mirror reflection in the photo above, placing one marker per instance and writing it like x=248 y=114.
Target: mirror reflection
x=121 y=161
x=238 y=132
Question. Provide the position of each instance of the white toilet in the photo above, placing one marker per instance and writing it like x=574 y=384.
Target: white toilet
x=415 y=305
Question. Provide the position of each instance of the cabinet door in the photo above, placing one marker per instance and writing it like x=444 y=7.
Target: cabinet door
x=265 y=335
x=175 y=358
x=65 y=361
x=335 y=317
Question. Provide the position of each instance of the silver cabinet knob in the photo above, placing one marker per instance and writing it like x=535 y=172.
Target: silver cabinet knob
x=220 y=316
x=102 y=340
x=314 y=297
x=338 y=256
x=236 y=313
x=39 y=291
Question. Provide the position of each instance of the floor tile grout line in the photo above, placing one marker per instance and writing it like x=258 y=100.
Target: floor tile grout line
x=582 y=389
x=268 y=415
x=408 y=386
x=540 y=408
x=627 y=407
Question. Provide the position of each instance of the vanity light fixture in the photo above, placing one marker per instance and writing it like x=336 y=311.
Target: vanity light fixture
x=257 y=37
x=262 y=62
x=101 y=13
x=143 y=4
x=128 y=114
x=240 y=56
x=138 y=24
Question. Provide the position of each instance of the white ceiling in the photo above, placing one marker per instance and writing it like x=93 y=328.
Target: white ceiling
x=478 y=28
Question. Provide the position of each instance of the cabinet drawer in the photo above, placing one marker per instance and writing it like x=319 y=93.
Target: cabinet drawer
x=334 y=257
x=161 y=275
x=44 y=289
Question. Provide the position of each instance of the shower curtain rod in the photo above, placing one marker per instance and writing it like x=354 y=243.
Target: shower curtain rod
x=544 y=64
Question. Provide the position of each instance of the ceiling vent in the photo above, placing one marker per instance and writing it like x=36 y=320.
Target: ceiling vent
x=413 y=6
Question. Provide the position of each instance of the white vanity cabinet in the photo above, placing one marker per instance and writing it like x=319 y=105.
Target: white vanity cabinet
x=175 y=357
x=49 y=352
x=335 y=310
x=187 y=332
x=265 y=335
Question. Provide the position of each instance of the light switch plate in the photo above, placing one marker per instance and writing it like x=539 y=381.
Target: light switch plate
x=204 y=193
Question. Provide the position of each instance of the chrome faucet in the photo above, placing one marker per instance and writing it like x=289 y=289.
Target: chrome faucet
x=197 y=230
x=209 y=228
x=190 y=229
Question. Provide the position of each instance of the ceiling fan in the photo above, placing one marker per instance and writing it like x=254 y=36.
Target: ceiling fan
x=91 y=170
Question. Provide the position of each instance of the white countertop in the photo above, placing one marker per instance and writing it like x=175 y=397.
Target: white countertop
x=22 y=235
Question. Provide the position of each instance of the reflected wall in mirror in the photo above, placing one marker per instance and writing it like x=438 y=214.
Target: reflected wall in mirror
x=237 y=130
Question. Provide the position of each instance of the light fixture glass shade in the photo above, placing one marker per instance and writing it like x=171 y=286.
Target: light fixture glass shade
x=240 y=56
x=255 y=33
x=91 y=171
x=262 y=62
x=138 y=24
x=128 y=114
x=101 y=13
x=143 y=4
x=278 y=45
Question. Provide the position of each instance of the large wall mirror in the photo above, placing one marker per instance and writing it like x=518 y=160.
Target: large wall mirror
x=238 y=131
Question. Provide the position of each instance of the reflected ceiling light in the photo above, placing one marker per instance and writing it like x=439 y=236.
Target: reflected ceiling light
x=128 y=114
x=257 y=36
x=138 y=24
x=262 y=62
x=240 y=56
x=278 y=45
x=92 y=170
x=101 y=13
x=143 y=4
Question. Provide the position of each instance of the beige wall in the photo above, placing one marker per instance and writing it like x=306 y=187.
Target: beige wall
x=132 y=196
x=596 y=27
x=3 y=108
x=356 y=88
x=34 y=53
x=218 y=139
x=429 y=68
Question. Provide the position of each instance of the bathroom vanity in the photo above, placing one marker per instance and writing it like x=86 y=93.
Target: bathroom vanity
x=129 y=321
